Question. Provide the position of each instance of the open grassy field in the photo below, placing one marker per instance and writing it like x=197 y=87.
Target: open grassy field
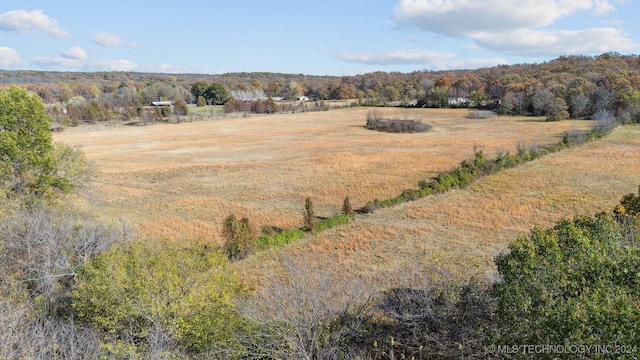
x=462 y=230
x=181 y=181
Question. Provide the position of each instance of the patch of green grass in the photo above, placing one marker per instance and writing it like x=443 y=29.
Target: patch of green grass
x=328 y=223
x=206 y=110
x=281 y=238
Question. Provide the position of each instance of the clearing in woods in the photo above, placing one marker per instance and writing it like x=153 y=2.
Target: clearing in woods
x=181 y=181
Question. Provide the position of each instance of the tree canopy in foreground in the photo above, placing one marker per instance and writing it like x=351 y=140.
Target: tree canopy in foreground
x=29 y=165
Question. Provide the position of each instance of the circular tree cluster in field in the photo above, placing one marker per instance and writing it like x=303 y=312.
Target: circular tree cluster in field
x=376 y=122
x=481 y=114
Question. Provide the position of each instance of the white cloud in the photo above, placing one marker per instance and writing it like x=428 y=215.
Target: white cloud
x=9 y=58
x=75 y=53
x=126 y=65
x=552 y=43
x=471 y=64
x=56 y=63
x=112 y=65
x=432 y=60
x=467 y=18
x=165 y=68
x=74 y=64
x=515 y=27
x=106 y=39
x=396 y=57
x=603 y=7
x=25 y=22
x=60 y=63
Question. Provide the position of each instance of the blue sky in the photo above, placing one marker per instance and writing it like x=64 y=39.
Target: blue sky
x=330 y=37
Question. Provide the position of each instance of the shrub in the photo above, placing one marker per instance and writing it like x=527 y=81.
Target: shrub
x=375 y=121
x=42 y=251
x=479 y=161
x=444 y=319
x=575 y=283
x=307 y=313
x=166 y=111
x=373 y=117
x=238 y=237
x=180 y=108
x=371 y=206
x=143 y=291
x=347 y=209
x=505 y=161
x=398 y=126
x=630 y=204
x=482 y=114
x=328 y=223
x=281 y=238
x=309 y=215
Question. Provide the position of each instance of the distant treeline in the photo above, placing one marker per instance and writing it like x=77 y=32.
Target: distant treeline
x=567 y=87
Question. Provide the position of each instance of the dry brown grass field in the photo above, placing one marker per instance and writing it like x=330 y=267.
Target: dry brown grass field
x=180 y=181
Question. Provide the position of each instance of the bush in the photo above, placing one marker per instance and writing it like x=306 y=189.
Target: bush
x=46 y=248
x=310 y=219
x=630 y=205
x=576 y=283
x=238 y=237
x=182 y=296
x=328 y=223
x=398 y=126
x=307 y=313
x=42 y=251
x=281 y=238
x=371 y=206
x=446 y=320
x=483 y=114
x=180 y=108
x=347 y=209
x=375 y=121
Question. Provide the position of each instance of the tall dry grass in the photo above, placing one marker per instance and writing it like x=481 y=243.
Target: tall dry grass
x=181 y=181
x=462 y=230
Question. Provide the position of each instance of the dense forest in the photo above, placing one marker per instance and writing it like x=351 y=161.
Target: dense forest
x=567 y=87
x=73 y=287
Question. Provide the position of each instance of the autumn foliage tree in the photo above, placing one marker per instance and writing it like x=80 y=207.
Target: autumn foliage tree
x=162 y=295
x=575 y=283
x=238 y=237
x=28 y=165
x=42 y=251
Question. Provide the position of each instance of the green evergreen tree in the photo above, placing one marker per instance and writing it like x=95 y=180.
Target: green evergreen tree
x=217 y=94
